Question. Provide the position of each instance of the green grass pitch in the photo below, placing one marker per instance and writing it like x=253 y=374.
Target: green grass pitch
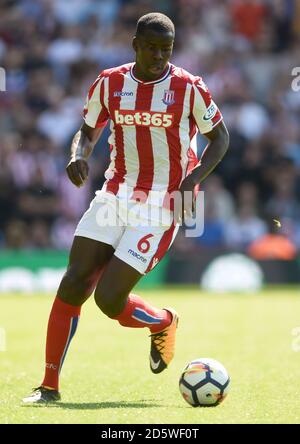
x=106 y=376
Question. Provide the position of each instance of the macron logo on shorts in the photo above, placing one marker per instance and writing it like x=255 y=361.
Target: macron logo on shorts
x=137 y=256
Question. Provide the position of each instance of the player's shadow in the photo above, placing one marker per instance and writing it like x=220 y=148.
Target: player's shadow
x=101 y=405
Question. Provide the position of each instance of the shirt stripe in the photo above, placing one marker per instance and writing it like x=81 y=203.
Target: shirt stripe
x=131 y=157
x=144 y=145
x=173 y=137
x=116 y=84
x=159 y=139
x=93 y=111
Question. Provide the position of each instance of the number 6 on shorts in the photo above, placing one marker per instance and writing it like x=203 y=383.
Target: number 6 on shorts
x=143 y=244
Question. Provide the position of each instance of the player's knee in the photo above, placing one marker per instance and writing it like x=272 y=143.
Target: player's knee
x=76 y=282
x=108 y=302
x=78 y=276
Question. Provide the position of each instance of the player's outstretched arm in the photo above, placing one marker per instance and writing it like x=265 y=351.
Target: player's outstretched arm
x=81 y=148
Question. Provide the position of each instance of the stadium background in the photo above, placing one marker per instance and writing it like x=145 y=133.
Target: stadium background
x=52 y=50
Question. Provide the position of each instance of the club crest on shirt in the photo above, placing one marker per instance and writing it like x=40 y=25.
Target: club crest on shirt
x=168 y=98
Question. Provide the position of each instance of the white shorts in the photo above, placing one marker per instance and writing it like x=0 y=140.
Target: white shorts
x=140 y=235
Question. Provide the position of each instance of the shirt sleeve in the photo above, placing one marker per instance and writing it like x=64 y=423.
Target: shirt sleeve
x=205 y=112
x=95 y=113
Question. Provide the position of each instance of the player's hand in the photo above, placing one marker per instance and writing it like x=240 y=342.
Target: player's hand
x=188 y=199
x=77 y=170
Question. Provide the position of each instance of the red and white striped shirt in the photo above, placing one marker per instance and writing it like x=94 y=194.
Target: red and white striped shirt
x=153 y=126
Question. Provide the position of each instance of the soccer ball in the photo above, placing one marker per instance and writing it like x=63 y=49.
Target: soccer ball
x=204 y=383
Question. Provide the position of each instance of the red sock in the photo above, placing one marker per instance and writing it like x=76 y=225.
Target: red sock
x=138 y=314
x=62 y=325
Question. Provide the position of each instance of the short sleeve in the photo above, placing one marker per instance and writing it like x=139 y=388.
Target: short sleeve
x=205 y=112
x=95 y=113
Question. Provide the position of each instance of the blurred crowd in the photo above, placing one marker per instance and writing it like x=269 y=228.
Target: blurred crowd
x=52 y=50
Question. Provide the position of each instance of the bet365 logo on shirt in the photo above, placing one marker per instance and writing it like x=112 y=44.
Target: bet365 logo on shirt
x=144 y=118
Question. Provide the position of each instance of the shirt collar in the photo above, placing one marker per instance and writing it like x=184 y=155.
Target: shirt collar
x=164 y=75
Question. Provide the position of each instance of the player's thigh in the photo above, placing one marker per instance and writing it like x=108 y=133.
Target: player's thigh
x=87 y=261
x=89 y=255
